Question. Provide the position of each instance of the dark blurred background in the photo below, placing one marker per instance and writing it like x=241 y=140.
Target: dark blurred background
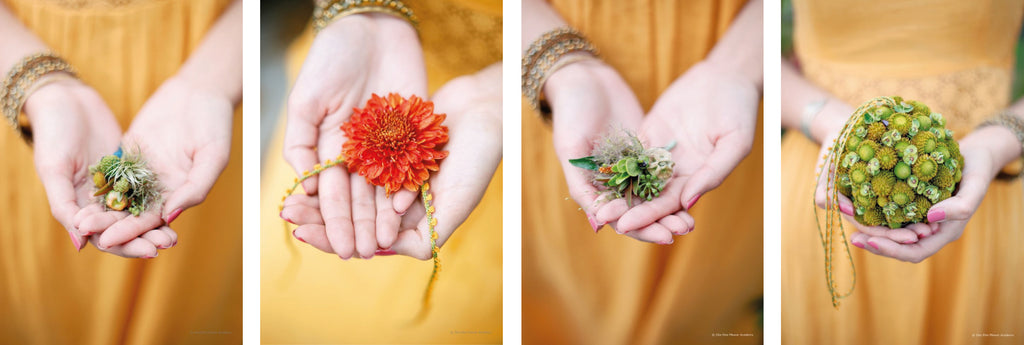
x=280 y=22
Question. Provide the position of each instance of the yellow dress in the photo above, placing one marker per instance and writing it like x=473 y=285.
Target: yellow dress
x=586 y=288
x=52 y=294
x=317 y=298
x=957 y=57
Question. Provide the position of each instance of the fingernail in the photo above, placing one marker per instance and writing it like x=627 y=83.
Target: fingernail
x=846 y=209
x=593 y=223
x=174 y=215
x=403 y=213
x=289 y=220
x=689 y=205
x=74 y=241
x=150 y=256
x=936 y=215
x=908 y=241
x=873 y=245
x=384 y=252
x=297 y=237
x=858 y=245
x=670 y=241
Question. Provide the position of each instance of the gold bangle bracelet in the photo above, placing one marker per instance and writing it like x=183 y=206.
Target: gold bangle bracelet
x=327 y=11
x=545 y=55
x=22 y=80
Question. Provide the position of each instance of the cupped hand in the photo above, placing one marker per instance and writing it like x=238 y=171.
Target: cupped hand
x=588 y=98
x=350 y=59
x=983 y=157
x=72 y=129
x=184 y=134
x=710 y=114
x=473 y=108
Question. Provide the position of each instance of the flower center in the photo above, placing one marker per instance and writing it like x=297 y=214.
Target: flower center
x=394 y=130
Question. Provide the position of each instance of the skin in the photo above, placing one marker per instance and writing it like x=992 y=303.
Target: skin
x=985 y=150
x=712 y=137
x=73 y=128
x=473 y=108
x=352 y=58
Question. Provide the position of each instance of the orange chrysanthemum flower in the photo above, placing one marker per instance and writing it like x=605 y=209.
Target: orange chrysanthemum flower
x=394 y=142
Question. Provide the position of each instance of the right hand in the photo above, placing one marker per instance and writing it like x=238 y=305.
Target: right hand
x=350 y=59
x=589 y=98
x=72 y=129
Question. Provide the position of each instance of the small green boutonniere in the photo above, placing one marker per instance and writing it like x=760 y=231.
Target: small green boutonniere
x=124 y=181
x=622 y=166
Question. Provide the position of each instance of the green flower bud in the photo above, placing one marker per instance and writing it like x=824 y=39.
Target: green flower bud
x=902 y=170
x=121 y=186
x=900 y=123
x=875 y=131
x=883 y=183
x=901 y=193
x=925 y=168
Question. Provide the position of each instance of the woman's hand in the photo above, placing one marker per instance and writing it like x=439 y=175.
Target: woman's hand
x=711 y=115
x=351 y=59
x=185 y=137
x=985 y=152
x=72 y=129
x=588 y=98
x=473 y=106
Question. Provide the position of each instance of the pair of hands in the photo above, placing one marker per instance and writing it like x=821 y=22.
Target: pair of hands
x=710 y=112
x=985 y=152
x=341 y=213
x=185 y=135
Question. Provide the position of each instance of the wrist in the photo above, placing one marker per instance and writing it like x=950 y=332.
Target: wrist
x=1001 y=142
x=52 y=96
x=829 y=121
x=567 y=79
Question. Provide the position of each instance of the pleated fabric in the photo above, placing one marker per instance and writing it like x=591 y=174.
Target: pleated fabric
x=957 y=58
x=586 y=288
x=313 y=297
x=52 y=294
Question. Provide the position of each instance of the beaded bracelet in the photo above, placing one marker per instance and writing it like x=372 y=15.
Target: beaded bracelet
x=1014 y=124
x=543 y=57
x=329 y=10
x=22 y=80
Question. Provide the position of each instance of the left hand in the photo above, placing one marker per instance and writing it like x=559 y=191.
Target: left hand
x=473 y=106
x=185 y=136
x=711 y=115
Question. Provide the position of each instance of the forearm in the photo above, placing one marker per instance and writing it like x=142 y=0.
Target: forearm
x=538 y=17
x=741 y=48
x=216 y=65
x=798 y=94
x=16 y=41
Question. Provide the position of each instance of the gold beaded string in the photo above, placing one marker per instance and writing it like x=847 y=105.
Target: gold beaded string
x=427 y=206
x=833 y=158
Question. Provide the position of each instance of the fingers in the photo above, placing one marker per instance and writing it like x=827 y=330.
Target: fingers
x=580 y=187
x=654 y=233
x=728 y=152
x=650 y=212
x=159 y=238
x=387 y=220
x=127 y=229
x=364 y=214
x=314 y=235
x=98 y=222
x=301 y=214
x=414 y=243
x=902 y=235
x=961 y=206
x=610 y=211
x=913 y=253
x=86 y=212
x=680 y=223
x=136 y=248
x=207 y=164
x=300 y=140
x=336 y=208
x=403 y=199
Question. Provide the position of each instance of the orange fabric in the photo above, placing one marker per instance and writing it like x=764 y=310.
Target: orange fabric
x=51 y=294
x=315 y=297
x=586 y=288
x=956 y=57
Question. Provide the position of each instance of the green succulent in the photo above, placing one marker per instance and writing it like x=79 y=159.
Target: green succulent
x=898 y=160
x=127 y=182
x=622 y=166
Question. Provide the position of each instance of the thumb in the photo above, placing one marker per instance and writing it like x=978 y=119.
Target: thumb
x=207 y=165
x=728 y=152
x=961 y=206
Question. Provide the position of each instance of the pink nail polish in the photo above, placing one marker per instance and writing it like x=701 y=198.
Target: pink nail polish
x=384 y=252
x=74 y=241
x=593 y=224
x=670 y=241
x=174 y=215
x=689 y=205
x=858 y=245
x=937 y=215
x=846 y=209
x=297 y=236
x=873 y=245
x=908 y=241
x=289 y=220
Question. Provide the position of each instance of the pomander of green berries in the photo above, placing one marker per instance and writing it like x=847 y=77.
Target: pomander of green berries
x=623 y=167
x=124 y=183
x=896 y=162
